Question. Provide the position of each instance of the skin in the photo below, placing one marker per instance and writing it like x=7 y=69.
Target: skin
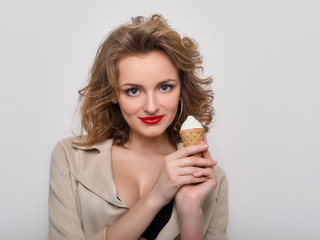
x=156 y=171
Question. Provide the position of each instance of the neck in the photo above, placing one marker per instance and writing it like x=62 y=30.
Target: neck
x=146 y=145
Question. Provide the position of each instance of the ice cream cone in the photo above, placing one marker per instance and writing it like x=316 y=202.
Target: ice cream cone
x=192 y=137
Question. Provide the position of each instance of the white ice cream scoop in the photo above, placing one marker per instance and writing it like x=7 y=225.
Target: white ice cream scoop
x=190 y=123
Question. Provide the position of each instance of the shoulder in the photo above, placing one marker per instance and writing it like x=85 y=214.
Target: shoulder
x=69 y=154
x=220 y=189
x=71 y=144
x=220 y=173
x=65 y=147
x=222 y=184
x=64 y=153
x=215 y=208
x=68 y=142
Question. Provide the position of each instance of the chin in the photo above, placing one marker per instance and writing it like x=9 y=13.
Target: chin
x=152 y=133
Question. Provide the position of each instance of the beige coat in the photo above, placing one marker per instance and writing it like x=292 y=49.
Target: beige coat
x=83 y=200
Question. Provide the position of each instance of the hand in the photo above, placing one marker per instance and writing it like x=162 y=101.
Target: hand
x=179 y=170
x=194 y=194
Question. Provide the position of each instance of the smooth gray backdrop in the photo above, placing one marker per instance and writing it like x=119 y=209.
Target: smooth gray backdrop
x=265 y=59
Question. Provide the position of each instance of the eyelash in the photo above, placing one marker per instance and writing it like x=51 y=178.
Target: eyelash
x=129 y=90
x=167 y=85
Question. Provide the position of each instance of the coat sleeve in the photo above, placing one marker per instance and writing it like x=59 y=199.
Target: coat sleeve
x=217 y=229
x=64 y=220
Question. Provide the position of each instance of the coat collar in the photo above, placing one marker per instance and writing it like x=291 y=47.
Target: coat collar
x=98 y=146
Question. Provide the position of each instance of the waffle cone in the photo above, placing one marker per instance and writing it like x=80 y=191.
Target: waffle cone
x=192 y=137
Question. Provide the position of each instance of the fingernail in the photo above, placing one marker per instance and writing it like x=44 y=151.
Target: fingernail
x=196 y=174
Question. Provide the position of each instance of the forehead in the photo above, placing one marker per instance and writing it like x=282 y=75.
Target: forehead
x=152 y=66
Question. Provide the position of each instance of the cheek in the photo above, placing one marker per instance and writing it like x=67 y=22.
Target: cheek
x=128 y=106
x=172 y=103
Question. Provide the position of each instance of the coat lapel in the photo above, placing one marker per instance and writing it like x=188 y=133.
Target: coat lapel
x=171 y=229
x=97 y=175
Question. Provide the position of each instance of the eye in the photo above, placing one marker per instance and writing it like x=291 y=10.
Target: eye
x=132 y=91
x=166 y=87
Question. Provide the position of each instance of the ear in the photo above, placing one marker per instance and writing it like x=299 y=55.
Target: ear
x=114 y=101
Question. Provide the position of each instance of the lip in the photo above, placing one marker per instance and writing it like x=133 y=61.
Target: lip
x=151 y=120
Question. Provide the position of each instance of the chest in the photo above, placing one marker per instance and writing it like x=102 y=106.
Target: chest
x=134 y=174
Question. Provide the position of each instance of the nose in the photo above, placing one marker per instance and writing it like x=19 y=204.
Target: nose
x=151 y=105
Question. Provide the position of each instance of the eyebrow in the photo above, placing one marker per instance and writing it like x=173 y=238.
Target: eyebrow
x=137 y=85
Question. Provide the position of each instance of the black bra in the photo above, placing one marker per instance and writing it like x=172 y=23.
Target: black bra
x=160 y=220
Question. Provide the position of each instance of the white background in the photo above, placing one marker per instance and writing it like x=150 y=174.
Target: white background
x=265 y=59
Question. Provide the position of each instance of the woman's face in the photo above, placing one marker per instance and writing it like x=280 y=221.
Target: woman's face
x=149 y=92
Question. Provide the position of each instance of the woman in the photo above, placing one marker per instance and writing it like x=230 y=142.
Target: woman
x=127 y=178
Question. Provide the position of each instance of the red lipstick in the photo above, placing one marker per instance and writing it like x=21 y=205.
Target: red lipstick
x=151 y=120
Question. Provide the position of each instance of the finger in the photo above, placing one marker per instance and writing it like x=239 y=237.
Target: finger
x=196 y=162
x=204 y=172
x=186 y=180
x=205 y=139
x=188 y=151
x=212 y=176
x=183 y=171
x=206 y=154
